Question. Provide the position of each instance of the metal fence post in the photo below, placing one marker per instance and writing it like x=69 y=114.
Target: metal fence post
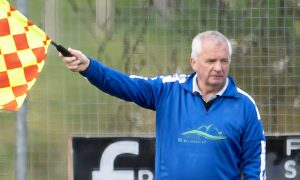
x=21 y=143
x=21 y=123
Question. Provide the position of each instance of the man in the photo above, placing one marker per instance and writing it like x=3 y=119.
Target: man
x=206 y=127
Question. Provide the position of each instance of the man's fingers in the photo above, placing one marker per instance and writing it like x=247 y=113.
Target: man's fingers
x=74 y=63
x=78 y=61
x=73 y=67
x=70 y=59
x=74 y=52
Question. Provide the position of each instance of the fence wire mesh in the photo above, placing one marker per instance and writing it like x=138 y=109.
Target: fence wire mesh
x=149 y=38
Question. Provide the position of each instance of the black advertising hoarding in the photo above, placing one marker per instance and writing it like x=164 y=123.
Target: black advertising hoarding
x=132 y=158
x=283 y=157
x=113 y=158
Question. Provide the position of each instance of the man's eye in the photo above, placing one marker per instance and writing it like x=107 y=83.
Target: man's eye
x=225 y=60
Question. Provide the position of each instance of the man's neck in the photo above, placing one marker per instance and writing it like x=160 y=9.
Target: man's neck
x=208 y=89
x=209 y=92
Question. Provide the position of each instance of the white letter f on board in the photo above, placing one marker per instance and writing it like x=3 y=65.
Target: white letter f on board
x=106 y=169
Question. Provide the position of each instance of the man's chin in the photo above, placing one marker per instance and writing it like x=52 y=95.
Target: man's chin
x=218 y=83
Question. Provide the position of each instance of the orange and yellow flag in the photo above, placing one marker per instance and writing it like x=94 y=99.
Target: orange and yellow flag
x=23 y=49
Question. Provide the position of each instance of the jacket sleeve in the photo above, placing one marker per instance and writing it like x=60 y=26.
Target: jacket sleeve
x=253 y=142
x=141 y=90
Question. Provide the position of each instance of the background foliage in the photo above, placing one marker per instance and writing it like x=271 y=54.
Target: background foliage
x=149 y=38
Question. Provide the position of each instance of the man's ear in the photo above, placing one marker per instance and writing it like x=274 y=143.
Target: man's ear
x=193 y=63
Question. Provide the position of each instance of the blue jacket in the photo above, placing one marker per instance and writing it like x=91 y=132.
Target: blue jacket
x=191 y=142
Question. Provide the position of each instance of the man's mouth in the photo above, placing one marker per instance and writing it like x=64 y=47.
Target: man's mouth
x=217 y=76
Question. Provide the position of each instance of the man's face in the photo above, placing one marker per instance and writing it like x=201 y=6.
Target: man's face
x=212 y=64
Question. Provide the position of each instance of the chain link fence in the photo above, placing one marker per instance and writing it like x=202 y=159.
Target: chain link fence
x=149 y=38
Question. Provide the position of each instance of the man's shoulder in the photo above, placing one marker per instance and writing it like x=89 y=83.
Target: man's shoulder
x=180 y=78
x=249 y=101
x=166 y=83
x=245 y=95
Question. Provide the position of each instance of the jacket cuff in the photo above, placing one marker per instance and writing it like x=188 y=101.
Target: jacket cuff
x=91 y=69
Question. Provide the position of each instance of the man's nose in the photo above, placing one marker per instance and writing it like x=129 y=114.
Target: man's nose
x=218 y=66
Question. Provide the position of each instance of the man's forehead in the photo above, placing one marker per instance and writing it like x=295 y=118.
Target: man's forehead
x=215 y=50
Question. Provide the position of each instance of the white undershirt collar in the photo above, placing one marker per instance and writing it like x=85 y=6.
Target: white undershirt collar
x=197 y=90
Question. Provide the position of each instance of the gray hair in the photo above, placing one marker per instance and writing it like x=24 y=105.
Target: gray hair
x=215 y=36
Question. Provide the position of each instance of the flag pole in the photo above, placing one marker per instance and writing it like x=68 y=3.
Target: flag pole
x=21 y=124
x=61 y=49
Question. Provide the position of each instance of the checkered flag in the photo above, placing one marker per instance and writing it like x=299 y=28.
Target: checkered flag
x=23 y=49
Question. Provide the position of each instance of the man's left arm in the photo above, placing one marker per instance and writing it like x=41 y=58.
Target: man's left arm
x=253 y=157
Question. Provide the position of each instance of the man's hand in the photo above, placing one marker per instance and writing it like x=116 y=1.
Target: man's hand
x=78 y=62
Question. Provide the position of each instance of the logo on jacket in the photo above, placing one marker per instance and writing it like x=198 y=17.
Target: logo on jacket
x=202 y=134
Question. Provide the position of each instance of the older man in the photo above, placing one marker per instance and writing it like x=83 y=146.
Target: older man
x=206 y=127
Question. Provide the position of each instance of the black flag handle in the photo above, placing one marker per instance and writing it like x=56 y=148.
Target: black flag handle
x=62 y=49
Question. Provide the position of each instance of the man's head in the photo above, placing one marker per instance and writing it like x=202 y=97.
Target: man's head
x=210 y=59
